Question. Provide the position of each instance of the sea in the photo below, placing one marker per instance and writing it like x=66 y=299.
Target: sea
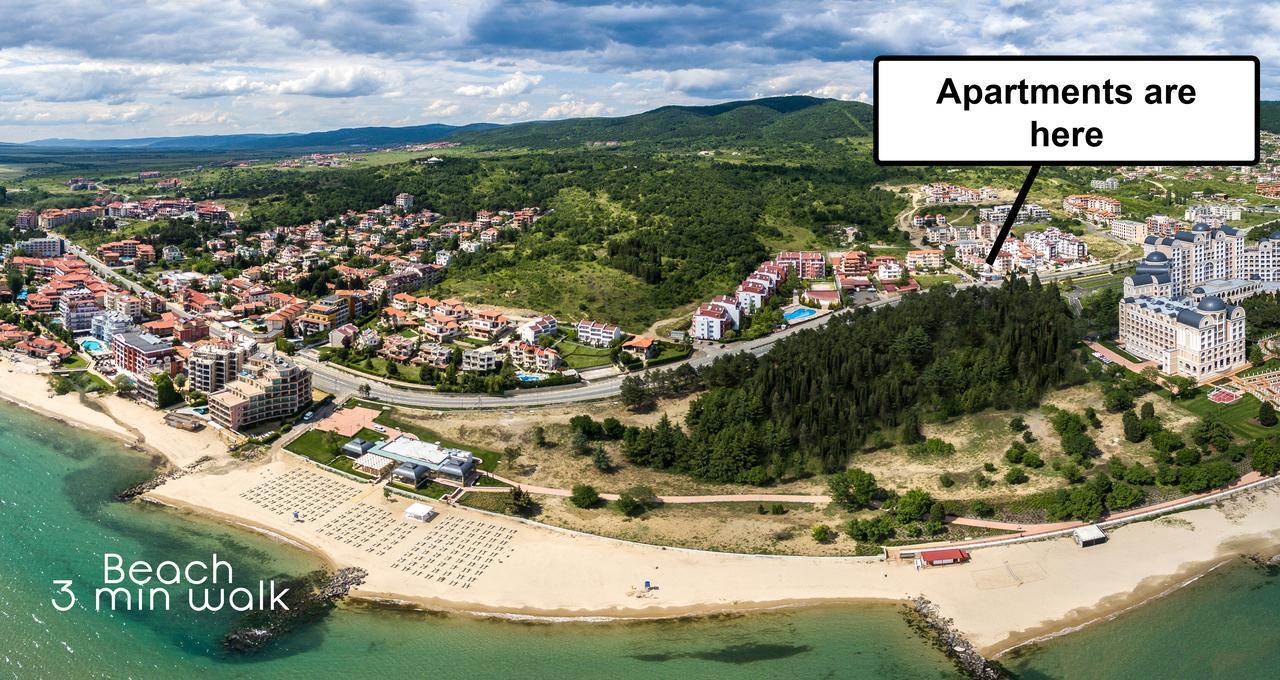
x=58 y=520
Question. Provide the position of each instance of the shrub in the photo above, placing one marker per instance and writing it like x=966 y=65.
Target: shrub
x=946 y=481
x=981 y=508
x=823 y=533
x=1015 y=453
x=1017 y=424
x=584 y=496
x=931 y=448
x=1016 y=475
x=1033 y=460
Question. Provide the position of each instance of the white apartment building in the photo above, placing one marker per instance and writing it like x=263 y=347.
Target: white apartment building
x=1132 y=231
x=597 y=334
x=479 y=360
x=106 y=325
x=76 y=309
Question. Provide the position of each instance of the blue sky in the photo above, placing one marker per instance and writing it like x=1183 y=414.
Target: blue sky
x=129 y=69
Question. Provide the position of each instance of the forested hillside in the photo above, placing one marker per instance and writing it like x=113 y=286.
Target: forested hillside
x=868 y=378
x=773 y=120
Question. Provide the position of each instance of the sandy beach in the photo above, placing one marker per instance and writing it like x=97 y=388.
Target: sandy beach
x=1004 y=596
x=469 y=561
x=128 y=421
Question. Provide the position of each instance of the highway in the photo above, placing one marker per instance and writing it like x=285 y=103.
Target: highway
x=337 y=381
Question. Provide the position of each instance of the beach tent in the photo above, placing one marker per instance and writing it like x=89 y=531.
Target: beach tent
x=1089 y=535
x=934 y=558
x=419 y=512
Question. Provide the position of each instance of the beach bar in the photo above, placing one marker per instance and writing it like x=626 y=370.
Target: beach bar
x=1089 y=535
x=937 y=558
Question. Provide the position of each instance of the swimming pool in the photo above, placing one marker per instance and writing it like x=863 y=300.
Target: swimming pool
x=529 y=377
x=92 y=345
x=799 y=313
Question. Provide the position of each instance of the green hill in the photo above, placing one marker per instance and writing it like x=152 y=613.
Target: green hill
x=1270 y=117
x=778 y=120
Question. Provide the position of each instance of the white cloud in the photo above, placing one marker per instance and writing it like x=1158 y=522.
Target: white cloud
x=231 y=86
x=357 y=81
x=575 y=108
x=519 y=83
x=441 y=108
x=203 y=118
x=508 y=110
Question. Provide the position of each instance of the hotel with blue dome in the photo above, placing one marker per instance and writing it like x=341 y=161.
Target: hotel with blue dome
x=1180 y=307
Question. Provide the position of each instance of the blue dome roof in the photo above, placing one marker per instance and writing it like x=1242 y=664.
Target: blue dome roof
x=1200 y=226
x=1211 y=303
x=1156 y=256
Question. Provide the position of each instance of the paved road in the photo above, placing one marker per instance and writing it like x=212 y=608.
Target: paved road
x=331 y=379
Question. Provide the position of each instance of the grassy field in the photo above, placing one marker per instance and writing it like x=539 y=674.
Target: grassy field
x=581 y=356
x=931 y=280
x=565 y=290
x=1238 y=416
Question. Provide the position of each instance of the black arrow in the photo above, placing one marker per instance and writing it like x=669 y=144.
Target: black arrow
x=1013 y=214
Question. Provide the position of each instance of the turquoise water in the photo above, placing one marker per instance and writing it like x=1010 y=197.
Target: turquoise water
x=1224 y=625
x=56 y=519
x=529 y=377
x=91 y=345
x=800 y=313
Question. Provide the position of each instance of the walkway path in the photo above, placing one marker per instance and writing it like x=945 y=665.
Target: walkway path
x=1026 y=532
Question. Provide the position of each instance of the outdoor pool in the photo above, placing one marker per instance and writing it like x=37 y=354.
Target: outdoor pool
x=799 y=313
x=92 y=346
x=529 y=377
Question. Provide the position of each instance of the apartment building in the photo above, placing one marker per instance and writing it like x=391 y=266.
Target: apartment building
x=597 y=334
x=135 y=352
x=488 y=325
x=480 y=360
x=1092 y=207
x=712 y=321
x=1030 y=212
x=806 y=264
x=108 y=324
x=268 y=387
x=27 y=220
x=531 y=357
x=48 y=246
x=121 y=252
x=76 y=309
x=1105 y=184
x=925 y=259
x=530 y=331
x=1132 y=231
x=211 y=366
x=52 y=219
x=404 y=201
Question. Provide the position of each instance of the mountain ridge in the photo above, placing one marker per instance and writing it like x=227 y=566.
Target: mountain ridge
x=787 y=119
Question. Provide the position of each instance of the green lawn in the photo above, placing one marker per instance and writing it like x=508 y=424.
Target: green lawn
x=323 y=448
x=317 y=445
x=493 y=502
x=581 y=356
x=1237 y=415
x=74 y=361
x=1111 y=345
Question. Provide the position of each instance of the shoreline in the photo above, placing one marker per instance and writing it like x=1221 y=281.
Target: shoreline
x=997 y=619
